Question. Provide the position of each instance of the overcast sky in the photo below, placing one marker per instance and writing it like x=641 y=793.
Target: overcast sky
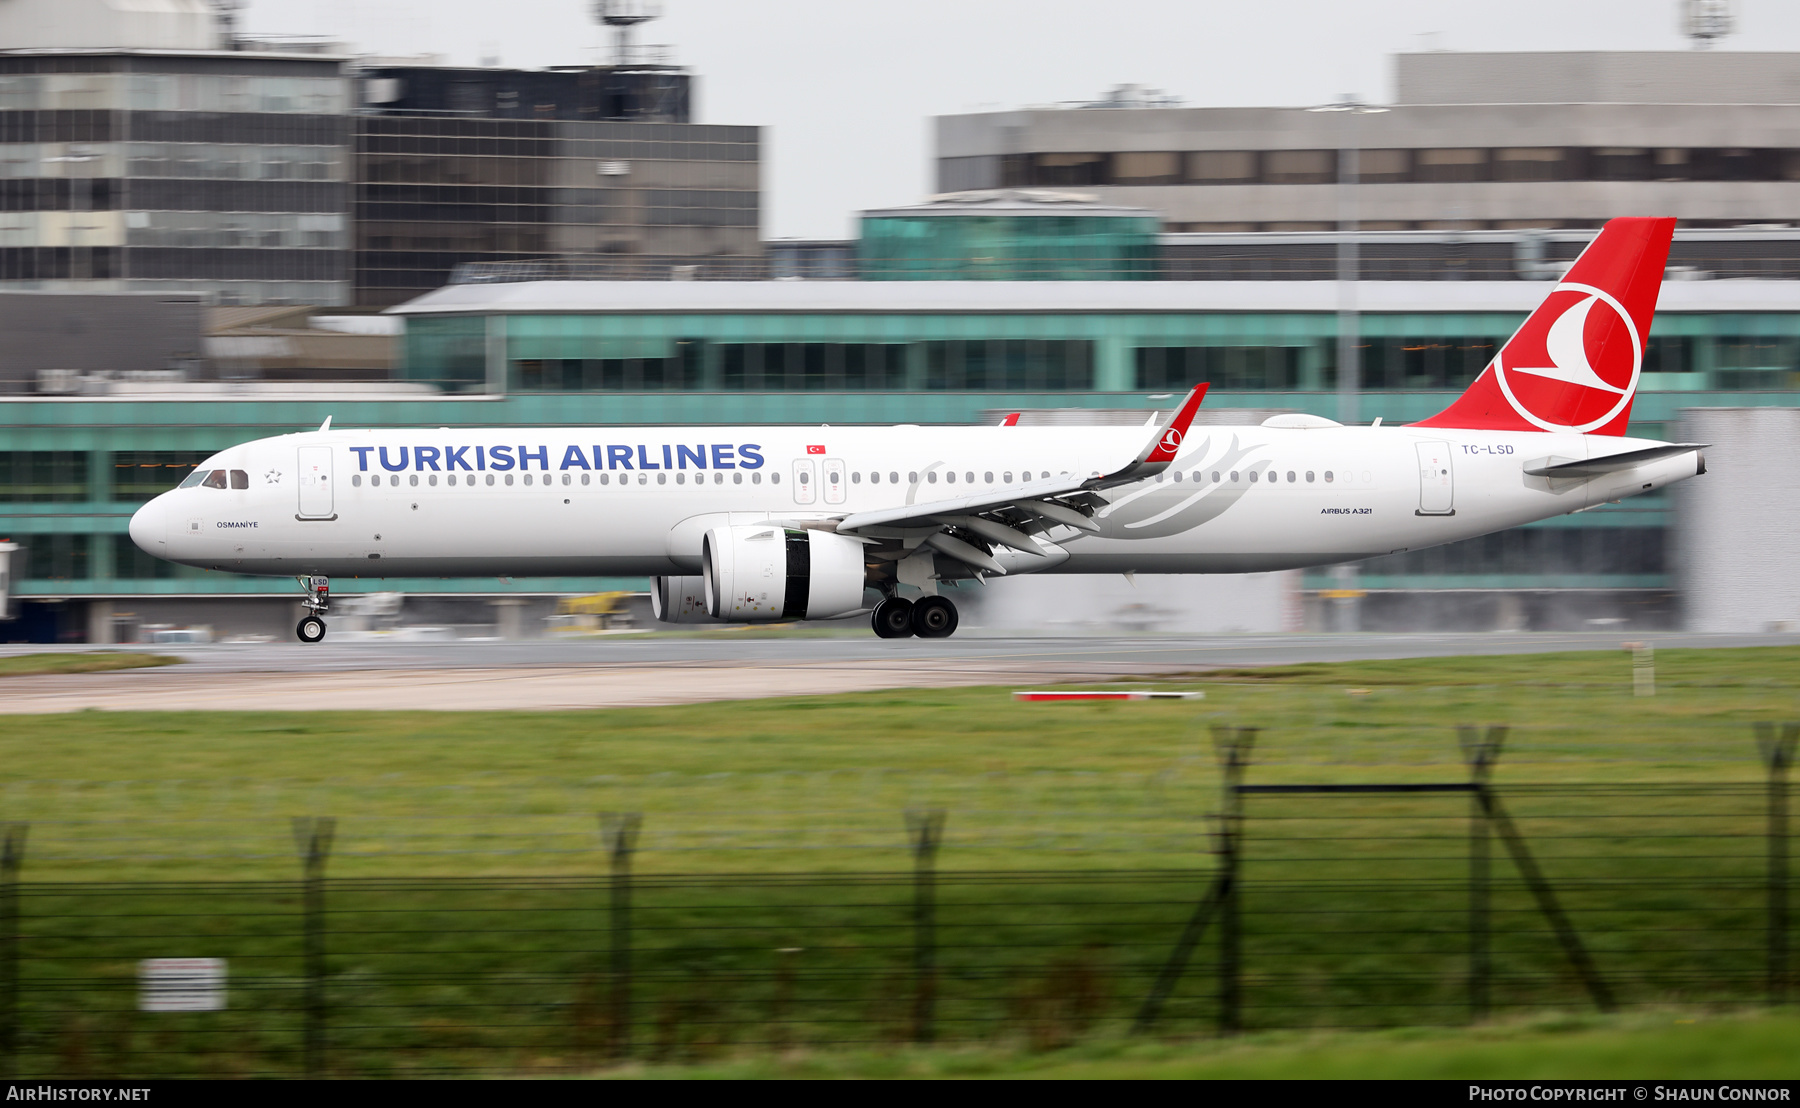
x=845 y=90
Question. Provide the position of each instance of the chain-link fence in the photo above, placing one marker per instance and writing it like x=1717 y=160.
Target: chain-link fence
x=1324 y=904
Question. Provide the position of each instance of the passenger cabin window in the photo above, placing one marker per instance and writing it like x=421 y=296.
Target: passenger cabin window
x=214 y=480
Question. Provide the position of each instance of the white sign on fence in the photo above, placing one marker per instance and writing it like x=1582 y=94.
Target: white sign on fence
x=181 y=984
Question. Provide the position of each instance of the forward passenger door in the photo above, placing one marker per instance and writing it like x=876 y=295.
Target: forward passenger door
x=315 y=483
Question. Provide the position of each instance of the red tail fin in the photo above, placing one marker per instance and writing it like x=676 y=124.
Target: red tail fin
x=1574 y=364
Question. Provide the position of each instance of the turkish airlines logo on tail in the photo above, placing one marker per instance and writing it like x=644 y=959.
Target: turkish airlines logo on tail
x=1575 y=364
x=1171 y=440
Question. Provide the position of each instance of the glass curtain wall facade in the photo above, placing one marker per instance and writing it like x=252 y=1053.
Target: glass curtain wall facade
x=633 y=200
x=1376 y=166
x=971 y=247
x=225 y=174
x=72 y=471
x=1255 y=353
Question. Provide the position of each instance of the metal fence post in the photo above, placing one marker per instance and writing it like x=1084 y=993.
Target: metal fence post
x=12 y=856
x=925 y=827
x=619 y=832
x=1233 y=745
x=312 y=836
x=1480 y=752
x=1777 y=749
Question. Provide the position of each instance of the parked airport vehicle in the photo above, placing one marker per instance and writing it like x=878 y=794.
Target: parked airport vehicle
x=780 y=523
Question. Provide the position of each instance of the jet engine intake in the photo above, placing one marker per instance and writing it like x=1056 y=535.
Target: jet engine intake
x=766 y=572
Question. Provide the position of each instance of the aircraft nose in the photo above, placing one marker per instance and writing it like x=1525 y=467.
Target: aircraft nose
x=149 y=527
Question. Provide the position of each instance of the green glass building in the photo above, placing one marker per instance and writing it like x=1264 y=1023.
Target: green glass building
x=1010 y=235
x=579 y=353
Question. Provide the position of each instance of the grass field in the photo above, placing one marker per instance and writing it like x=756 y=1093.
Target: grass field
x=821 y=782
x=1647 y=1046
x=1646 y=812
x=91 y=661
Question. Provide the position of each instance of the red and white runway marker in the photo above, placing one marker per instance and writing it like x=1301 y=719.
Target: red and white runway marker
x=1104 y=694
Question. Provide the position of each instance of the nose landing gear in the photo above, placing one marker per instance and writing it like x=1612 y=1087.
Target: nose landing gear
x=318 y=602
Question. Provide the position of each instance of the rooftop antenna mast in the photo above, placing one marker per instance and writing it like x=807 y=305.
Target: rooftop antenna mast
x=623 y=16
x=226 y=12
x=1706 y=21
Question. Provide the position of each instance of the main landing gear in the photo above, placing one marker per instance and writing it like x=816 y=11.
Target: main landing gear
x=318 y=602
x=929 y=617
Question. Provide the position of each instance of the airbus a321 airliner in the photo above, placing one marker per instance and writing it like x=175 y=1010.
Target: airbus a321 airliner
x=781 y=523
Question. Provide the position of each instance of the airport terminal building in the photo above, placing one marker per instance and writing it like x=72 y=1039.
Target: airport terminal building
x=582 y=352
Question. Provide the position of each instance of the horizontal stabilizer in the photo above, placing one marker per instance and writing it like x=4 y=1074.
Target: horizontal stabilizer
x=1613 y=463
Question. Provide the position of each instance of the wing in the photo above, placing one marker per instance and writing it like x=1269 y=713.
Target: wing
x=1023 y=518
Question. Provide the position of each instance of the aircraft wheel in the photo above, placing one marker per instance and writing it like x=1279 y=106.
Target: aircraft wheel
x=893 y=618
x=934 y=617
x=311 y=629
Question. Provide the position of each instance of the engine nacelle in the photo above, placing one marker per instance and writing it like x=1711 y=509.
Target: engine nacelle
x=679 y=600
x=766 y=572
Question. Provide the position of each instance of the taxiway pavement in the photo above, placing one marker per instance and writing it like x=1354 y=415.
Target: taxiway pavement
x=636 y=670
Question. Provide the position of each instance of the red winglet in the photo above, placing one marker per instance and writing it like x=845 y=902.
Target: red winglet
x=1166 y=447
x=1011 y=420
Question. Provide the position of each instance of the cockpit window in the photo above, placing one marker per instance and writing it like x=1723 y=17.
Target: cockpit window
x=240 y=479
x=194 y=478
x=214 y=480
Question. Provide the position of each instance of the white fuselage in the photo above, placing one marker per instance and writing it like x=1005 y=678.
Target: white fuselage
x=636 y=501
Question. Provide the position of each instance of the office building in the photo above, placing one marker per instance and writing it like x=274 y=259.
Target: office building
x=139 y=155
x=1470 y=141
